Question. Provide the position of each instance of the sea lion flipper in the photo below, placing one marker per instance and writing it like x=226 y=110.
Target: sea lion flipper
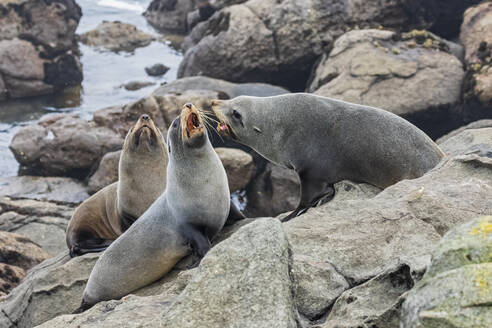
x=84 y=306
x=235 y=214
x=89 y=246
x=199 y=242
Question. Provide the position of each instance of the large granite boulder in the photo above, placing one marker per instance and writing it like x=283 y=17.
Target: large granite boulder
x=414 y=75
x=473 y=125
x=476 y=36
x=469 y=141
x=63 y=145
x=279 y=41
x=17 y=255
x=456 y=289
x=38 y=47
x=116 y=36
x=42 y=222
x=106 y=173
x=58 y=189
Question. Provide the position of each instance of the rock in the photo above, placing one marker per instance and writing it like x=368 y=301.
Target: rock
x=243 y=281
x=469 y=141
x=181 y=16
x=156 y=70
x=473 y=125
x=116 y=36
x=274 y=191
x=226 y=89
x=42 y=222
x=20 y=251
x=63 y=145
x=278 y=42
x=10 y=276
x=455 y=291
x=239 y=167
x=136 y=85
x=363 y=237
x=375 y=303
x=56 y=189
x=413 y=75
x=476 y=36
x=38 y=47
x=106 y=173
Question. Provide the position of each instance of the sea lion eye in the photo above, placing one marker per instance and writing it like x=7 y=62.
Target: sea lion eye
x=236 y=114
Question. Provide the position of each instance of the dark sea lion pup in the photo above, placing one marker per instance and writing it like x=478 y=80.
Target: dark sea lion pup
x=191 y=211
x=326 y=141
x=99 y=220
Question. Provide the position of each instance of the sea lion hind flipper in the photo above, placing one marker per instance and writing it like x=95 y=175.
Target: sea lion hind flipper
x=84 y=306
x=235 y=214
x=199 y=242
x=90 y=246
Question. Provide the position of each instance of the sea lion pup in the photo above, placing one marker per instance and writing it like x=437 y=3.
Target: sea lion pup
x=191 y=211
x=99 y=220
x=326 y=141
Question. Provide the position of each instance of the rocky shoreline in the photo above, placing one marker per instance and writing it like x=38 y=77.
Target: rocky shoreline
x=417 y=254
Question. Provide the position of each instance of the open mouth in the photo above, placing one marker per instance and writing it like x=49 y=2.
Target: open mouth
x=192 y=122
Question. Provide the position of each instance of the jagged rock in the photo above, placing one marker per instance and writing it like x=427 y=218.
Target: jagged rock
x=455 y=291
x=361 y=238
x=106 y=173
x=239 y=167
x=156 y=70
x=413 y=75
x=56 y=189
x=63 y=145
x=17 y=255
x=136 y=85
x=376 y=302
x=243 y=281
x=42 y=222
x=278 y=42
x=469 y=141
x=116 y=36
x=476 y=36
x=37 y=47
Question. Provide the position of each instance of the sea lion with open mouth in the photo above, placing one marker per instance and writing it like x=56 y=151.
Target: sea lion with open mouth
x=326 y=141
x=191 y=211
x=104 y=216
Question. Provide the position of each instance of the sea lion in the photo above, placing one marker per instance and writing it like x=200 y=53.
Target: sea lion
x=99 y=220
x=191 y=211
x=326 y=141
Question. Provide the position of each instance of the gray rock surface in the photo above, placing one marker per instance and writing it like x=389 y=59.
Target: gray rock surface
x=456 y=290
x=156 y=70
x=413 y=75
x=106 y=173
x=116 y=36
x=41 y=221
x=469 y=141
x=239 y=167
x=56 y=189
x=476 y=36
x=63 y=145
x=37 y=47
x=279 y=41
x=136 y=85
x=473 y=125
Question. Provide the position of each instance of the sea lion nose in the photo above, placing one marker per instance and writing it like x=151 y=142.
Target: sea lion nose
x=145 y=117
x=188 y=105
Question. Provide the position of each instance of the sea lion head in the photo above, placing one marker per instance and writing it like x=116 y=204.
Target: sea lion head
x=144 y=137
x=187 y=132
x=236 y=118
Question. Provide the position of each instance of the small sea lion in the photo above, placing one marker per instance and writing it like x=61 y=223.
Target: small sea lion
x=191 y=211
x=326 y=141
x=99 y=220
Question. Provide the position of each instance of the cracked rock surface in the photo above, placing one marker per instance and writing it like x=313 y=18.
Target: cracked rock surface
x=414 y=75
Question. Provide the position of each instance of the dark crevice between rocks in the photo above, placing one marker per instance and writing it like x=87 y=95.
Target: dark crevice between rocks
x=266 y=23
x=6 y=316
x=218 y=23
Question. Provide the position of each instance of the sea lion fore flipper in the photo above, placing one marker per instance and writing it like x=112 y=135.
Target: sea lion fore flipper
x=89 y=246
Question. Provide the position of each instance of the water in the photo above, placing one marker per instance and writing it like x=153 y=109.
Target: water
x=104 y=73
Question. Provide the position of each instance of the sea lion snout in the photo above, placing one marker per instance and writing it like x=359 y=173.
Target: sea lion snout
x=191 y=122
x=144 y=117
